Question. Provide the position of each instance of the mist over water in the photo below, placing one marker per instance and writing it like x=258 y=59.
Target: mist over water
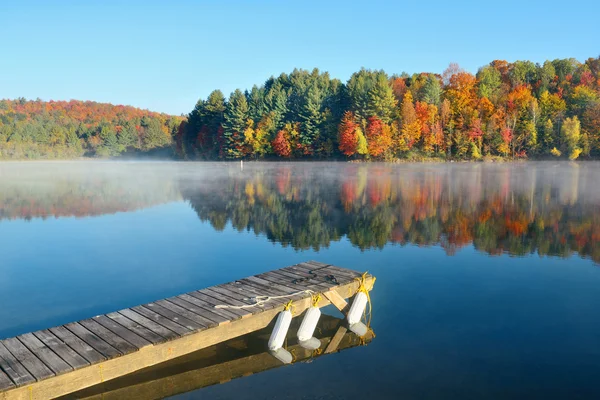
x=487 y=273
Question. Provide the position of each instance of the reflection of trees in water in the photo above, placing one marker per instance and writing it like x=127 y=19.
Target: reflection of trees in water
x=64 y=192
x=514 y=209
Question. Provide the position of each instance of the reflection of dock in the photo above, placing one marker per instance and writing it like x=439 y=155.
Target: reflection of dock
x=217 y=364
x=75 y=356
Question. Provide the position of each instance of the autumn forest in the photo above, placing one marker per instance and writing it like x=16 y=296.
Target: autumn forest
x=506 y=110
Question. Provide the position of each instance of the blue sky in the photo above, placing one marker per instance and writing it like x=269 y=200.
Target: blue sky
x=165 y=55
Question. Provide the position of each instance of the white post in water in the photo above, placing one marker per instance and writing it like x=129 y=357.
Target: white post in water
x=241 y=165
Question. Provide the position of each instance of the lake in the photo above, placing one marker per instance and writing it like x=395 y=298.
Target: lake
x=487 y=274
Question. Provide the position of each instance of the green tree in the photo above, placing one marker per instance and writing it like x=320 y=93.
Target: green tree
x=234 y=125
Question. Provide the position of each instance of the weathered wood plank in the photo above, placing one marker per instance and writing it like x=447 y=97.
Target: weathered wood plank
x=230 y=298
x=337 y=300
x=114 y=340
x=150 y=324
x=121 y=331
x=326 y=274
x=93 y=340
x=83 y=349
x=246 y=286
x=315 y=284
x=187 y=313
x=138 y=329
x=37 y=368
x=344 y=272
x=286 y=290
x=209 y=315
x=223 y=312
x=239 y=292
x=13 y=368
x=5 y=382
x=172 y=324
x=241 y=313
x=287 y=280
x=44 y=353
x=298 y=275
x=335 y=340
x=59 y=347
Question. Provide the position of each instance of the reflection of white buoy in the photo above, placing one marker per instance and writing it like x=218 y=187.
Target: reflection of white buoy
x=309 y=323
x=359 y=329
x=358 y=307
x=280 y=330
x=311 y=344
x=241 y=165
x=282 y=355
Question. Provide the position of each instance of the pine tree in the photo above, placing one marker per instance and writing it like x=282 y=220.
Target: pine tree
x=234 y=125
x=382 y=103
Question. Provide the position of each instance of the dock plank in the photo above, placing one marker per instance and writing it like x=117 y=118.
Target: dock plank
x=162 y=320
x=37 y=368
x=61 y=349
x=74 y=342
x=186 y=313
x=136 y=340
x=44 y=353
x=114 y=340
x=268 y=288
x=213 y=312
x=13 y=368
x=138 y=329
x=214 y=301
x=265 y=282
x=150 y=324
x=334 y=270
x=245 y=287
x=5 y=382
x=244 y=293
x=294 y=278
x=93 y=340
x=233 y=299
x=207 y=315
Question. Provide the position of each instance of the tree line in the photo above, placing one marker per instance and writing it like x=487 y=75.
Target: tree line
x=71 y=129
x=510 y=110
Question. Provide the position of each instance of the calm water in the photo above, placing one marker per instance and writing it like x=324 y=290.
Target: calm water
x=487 y=275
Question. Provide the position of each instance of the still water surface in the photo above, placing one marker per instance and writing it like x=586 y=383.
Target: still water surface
x=487 y=275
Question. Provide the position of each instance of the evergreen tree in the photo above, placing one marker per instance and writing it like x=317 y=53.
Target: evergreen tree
x=234 y=125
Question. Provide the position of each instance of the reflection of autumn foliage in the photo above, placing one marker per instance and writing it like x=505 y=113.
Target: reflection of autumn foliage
x=495 y=210
x=81 y=197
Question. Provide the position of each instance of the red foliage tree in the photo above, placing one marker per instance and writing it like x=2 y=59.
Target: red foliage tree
x=281 y=145
x=348 y=138
x=379 y=137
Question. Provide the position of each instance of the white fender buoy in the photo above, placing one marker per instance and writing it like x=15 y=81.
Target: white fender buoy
x=358 y=307
x=282 y=355
x=309 y=323
x=280 y=330
x=359 y=329
x=311 y=344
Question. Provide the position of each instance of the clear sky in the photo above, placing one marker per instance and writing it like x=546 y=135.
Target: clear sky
x=165 y=55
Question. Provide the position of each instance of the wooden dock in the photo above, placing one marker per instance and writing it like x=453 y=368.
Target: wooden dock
x=61 y=360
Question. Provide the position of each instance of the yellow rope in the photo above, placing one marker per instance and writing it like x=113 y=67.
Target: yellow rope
x=317 y=352
x=315 y=299
x=101 y=374
x=30 y=393
x=362 y=287
x=289 y=306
